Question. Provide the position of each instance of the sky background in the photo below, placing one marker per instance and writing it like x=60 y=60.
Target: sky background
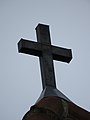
x=20 y=79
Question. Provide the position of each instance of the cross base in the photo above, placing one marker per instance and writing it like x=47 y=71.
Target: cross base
x=50 y=91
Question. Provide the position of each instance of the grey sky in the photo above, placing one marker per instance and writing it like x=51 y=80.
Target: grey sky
x=20 y=80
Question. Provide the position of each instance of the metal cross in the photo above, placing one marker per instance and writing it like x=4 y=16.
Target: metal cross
x=46 y=52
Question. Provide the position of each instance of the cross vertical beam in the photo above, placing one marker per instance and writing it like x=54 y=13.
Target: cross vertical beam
x=46 y=59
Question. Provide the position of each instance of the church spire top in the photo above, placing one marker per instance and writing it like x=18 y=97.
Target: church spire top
x=47 y=53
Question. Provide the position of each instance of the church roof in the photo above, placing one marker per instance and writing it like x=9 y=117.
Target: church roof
x=56 y=108
x=73 y=110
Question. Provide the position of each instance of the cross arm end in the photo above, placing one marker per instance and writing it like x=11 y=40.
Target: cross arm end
x=62 y=54
x=29 y=47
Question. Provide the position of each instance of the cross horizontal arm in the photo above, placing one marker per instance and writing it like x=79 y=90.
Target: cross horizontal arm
x=61 y=54
x=35 y=48
x=29 y=47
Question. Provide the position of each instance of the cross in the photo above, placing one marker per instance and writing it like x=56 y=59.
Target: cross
x=46 y=52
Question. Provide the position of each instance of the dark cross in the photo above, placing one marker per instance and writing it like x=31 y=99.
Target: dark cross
x=46 y=53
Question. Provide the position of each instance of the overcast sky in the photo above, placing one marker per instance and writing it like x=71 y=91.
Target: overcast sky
x=20 y=79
